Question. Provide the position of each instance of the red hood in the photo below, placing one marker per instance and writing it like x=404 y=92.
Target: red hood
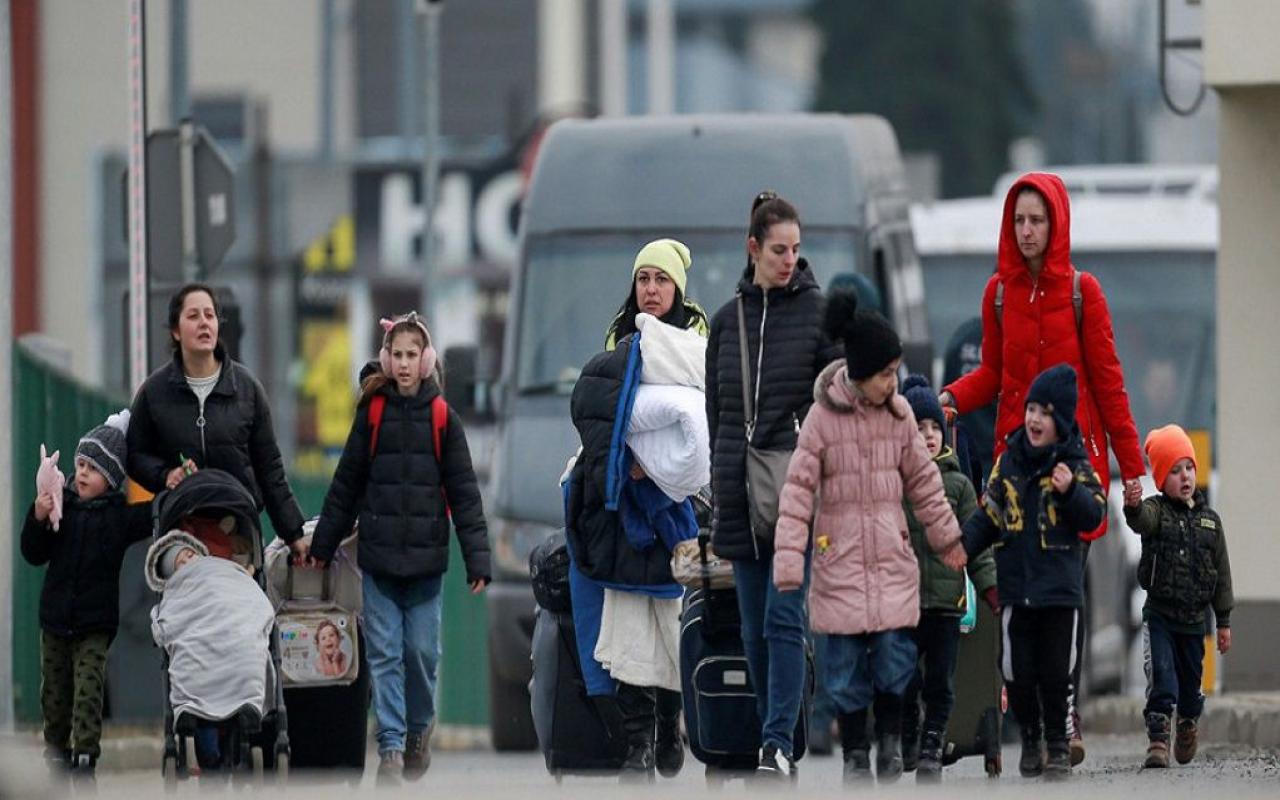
x=1057 y=258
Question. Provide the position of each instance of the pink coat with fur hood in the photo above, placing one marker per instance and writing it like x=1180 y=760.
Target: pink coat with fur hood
x=863 y=459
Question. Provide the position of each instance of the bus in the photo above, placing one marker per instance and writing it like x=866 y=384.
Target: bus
x=1150 y=235
x=600 y=190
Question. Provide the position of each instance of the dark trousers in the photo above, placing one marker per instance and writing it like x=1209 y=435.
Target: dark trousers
x=938 y=642
x=644 y=709
x=1037 y=656
x=72 y=672
x=1082 y=633
x=1174 y=663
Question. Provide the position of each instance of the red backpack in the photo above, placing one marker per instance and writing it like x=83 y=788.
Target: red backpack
x=439 y=418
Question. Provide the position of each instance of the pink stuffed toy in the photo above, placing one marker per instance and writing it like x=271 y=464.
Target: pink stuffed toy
x=50 y=481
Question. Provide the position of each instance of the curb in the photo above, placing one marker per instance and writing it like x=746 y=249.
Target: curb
x=1251 y=719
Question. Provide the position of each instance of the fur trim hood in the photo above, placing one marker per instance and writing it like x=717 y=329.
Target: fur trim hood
x=152 y=563
x=833 y=391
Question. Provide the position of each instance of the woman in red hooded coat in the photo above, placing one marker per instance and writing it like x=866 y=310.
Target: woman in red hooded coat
x=1033 y=326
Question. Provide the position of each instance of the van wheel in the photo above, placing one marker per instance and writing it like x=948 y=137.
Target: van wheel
x=510 y=721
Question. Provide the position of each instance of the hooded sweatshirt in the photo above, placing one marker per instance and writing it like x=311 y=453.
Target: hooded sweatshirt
x=1037 y=329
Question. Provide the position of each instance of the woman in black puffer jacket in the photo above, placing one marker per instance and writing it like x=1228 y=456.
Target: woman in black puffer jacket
x=783 y=309
x=204 y=410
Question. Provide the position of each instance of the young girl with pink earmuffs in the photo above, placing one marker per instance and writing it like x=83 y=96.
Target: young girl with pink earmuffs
x=404 y=474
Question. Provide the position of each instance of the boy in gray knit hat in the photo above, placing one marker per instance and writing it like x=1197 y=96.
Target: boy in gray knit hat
x=83 y=541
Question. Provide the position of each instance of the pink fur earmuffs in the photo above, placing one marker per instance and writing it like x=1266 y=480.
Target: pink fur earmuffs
x=428 y=361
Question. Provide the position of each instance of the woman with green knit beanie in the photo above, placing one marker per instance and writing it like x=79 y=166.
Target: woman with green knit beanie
x=658 y=280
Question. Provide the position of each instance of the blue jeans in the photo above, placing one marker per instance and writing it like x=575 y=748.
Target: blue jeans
x=773 y=635
x=402 y=637
x=859 y=667
x=1174 y=667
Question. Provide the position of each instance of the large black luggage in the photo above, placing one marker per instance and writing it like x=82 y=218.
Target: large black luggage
x=719 y=699
x=974 y=726
x=578 y=734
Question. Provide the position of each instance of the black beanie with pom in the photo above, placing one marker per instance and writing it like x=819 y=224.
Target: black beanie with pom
x=870 y=342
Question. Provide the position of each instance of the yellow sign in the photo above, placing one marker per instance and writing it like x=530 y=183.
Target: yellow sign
x=335 y=251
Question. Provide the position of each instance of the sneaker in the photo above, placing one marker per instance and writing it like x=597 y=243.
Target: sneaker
x=776 y=764
x=417 y=754
x=889 y=758
x=58 y=761
x=929 y=766
x=857 y=768
x=1076 y=738
x=1057 y=766
x=83 y=771
x=1031 y=764
x=390 y=768
x=1184 y=747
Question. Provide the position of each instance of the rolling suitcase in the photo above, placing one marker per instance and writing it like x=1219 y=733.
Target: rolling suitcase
x=974 y=726
x=719 y=699
x=578 y=734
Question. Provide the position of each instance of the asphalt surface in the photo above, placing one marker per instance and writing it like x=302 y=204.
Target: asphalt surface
x=1112 y=769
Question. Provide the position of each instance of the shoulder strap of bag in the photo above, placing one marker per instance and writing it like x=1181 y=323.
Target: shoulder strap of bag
x=748 y=410
x=376 y=406
x=1077 y=299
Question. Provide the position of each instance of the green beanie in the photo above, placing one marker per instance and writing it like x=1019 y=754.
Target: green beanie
x=668 y=255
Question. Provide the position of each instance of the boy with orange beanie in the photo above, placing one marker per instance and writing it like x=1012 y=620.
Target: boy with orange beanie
x=1184 y=568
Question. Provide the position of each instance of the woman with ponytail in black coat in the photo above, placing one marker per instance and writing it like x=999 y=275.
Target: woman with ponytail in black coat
x=786 y=349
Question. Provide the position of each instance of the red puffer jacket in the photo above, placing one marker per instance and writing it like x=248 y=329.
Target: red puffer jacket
x=1037 y=330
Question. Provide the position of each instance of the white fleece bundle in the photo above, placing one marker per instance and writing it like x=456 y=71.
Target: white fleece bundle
x=669 y=438
x=671 y=356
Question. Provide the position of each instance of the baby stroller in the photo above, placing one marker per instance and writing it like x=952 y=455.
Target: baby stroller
x=254 y=741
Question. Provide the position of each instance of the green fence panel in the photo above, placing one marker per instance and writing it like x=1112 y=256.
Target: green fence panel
x=55 y=409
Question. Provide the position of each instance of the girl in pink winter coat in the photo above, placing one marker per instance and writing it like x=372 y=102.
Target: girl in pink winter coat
x=859 y=450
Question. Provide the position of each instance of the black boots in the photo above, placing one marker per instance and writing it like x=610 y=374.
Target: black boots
x=857 y=748
x=1058 y=764
x=668 y=748
x=888 y=712
x=1031 y=764
x=929 y=767
x=636 y=704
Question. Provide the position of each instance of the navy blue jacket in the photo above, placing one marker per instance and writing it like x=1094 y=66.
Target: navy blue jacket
x=1036 y=531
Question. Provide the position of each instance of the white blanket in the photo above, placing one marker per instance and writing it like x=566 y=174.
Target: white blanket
x=671 y=356
x=668 y=435
x=215 y=624
x=639 y=640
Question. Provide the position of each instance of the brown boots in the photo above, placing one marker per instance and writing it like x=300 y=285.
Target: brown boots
x=1157 y=741
x=1184 y=747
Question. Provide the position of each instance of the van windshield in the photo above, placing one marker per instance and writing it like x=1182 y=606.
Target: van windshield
x=574 y=284
x=1162 y=314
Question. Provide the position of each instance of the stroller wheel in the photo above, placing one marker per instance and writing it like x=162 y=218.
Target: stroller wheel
x=282 y=769
x=169 y=770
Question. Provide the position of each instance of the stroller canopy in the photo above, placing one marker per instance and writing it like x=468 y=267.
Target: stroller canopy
x=210 y=493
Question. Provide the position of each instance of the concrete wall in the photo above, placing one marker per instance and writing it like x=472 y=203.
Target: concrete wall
x=1243 y=66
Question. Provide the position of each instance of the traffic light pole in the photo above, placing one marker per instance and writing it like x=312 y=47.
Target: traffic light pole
x=430 y=10
x=137 y=193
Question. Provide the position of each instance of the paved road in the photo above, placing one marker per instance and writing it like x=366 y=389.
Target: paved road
x=1111 y=771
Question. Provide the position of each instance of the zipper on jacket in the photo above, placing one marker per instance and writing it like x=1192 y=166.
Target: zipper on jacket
x=764 y=316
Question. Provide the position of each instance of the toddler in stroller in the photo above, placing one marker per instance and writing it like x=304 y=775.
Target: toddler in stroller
x=216 y=627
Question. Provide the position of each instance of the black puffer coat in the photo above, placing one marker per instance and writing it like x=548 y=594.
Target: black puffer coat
x=237 y=437
x=595 y=533
x=396 y=493
x=82 y=585
x=795 y=351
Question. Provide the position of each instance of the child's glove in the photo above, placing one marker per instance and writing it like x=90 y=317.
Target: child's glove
x=992 y=598
x=51 y=481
